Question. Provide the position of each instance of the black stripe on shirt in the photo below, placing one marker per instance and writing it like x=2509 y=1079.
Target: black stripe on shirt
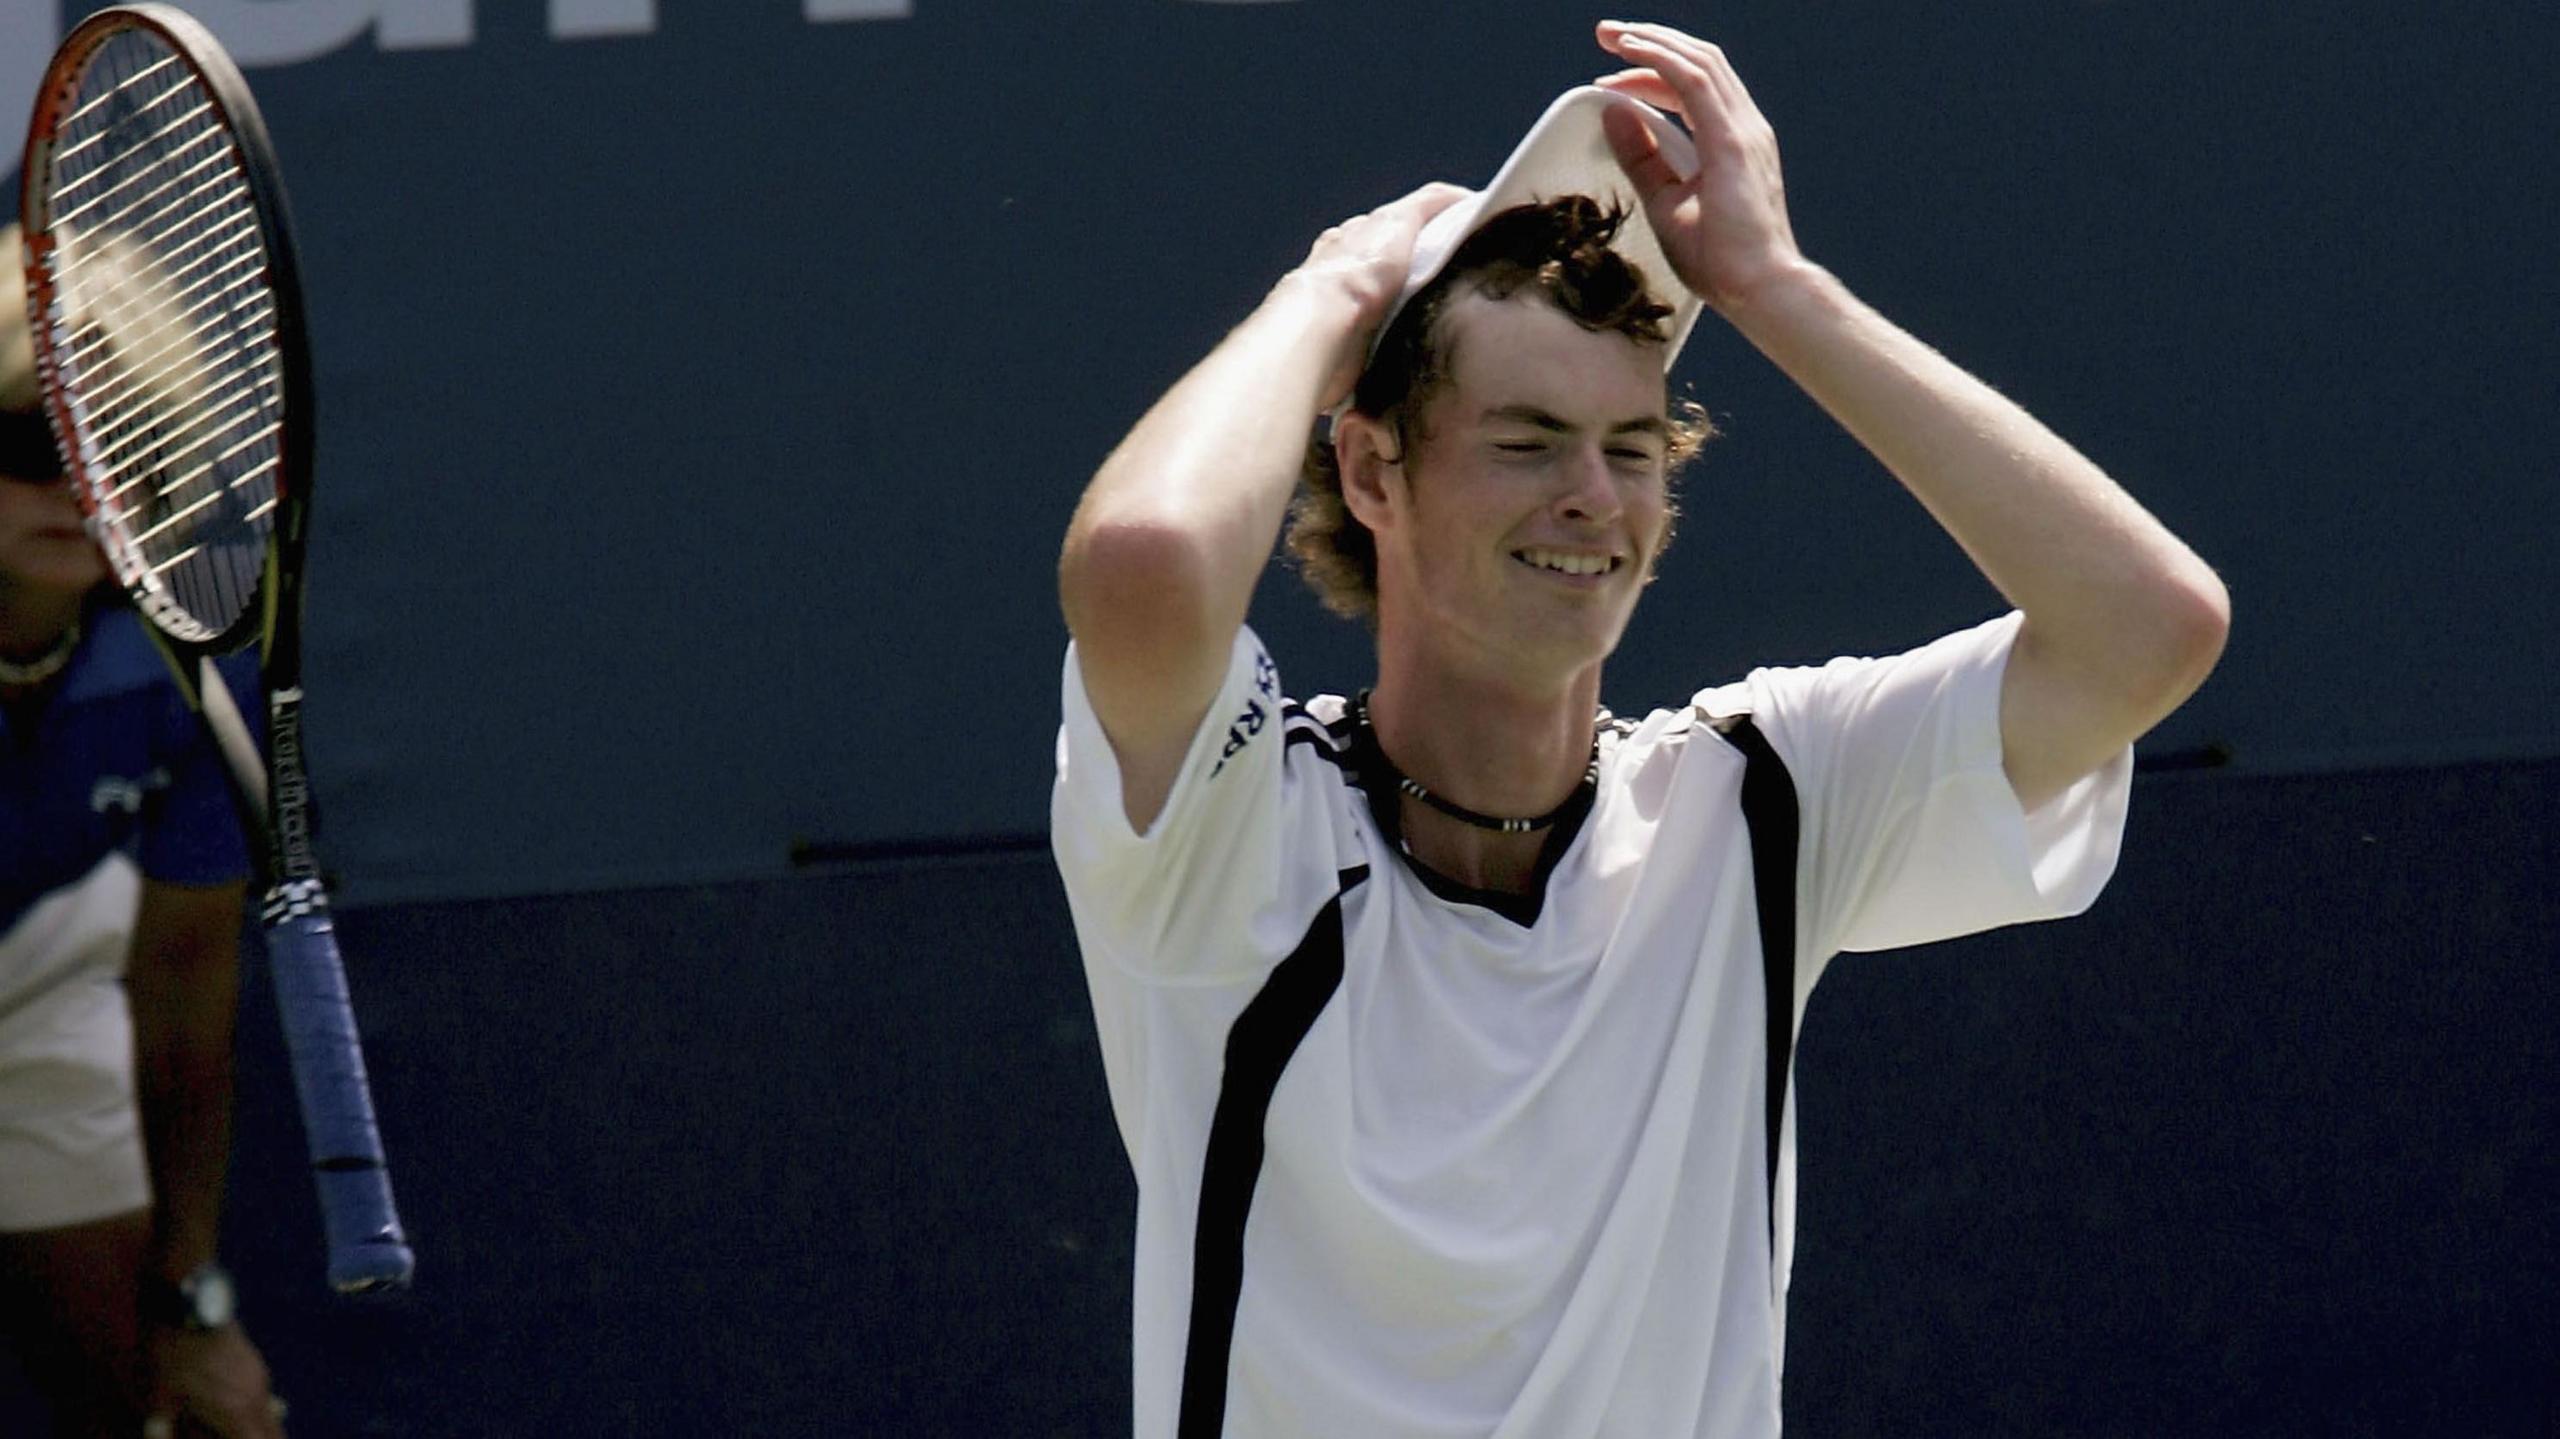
x=1259 y=1047
x=1304 y=727
x=1769 y=812
x=1331 y=743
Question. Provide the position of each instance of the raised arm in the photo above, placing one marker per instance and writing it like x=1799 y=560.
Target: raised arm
x=2123 y=621
x=1174 y=530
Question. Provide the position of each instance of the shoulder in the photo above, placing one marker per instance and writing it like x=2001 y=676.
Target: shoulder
x=1321 y=729
x=1643 y=755
x=1670 y=729
x=117 y=660
x=1973 y=647
x=1698 y=759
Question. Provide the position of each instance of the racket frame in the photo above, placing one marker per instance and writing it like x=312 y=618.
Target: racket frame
x=274 y=616
x=276 y=796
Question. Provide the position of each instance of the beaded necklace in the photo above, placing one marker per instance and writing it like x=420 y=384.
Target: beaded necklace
x=1454 y=810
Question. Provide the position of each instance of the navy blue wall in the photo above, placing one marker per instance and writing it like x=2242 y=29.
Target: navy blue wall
x=702 y=406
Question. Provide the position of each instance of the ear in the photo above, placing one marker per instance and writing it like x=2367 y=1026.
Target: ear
x=1371 y=463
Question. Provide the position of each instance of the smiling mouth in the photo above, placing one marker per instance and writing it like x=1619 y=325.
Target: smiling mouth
x=1565 y=562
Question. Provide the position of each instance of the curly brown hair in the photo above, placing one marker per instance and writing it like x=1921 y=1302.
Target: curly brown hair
x=1561 y=248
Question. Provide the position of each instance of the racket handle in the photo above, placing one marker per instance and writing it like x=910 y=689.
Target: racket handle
x=367 y=1249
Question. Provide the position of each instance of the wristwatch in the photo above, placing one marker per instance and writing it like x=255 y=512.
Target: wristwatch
x=201 y=1301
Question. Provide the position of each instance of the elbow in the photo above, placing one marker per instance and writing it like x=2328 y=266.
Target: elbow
x=2145 y=651
x=2203 y=624
x=2192 y=619
x=1132 y=578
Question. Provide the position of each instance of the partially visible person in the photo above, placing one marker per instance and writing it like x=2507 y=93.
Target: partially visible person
x=122 y=869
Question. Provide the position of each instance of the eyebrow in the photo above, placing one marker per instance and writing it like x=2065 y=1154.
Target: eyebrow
x=1538 y=419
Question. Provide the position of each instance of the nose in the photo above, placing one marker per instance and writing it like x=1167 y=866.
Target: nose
x=1590 y=490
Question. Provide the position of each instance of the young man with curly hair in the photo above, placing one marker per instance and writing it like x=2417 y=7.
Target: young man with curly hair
x=1446 y=1024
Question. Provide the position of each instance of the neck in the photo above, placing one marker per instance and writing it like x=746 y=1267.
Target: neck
x=1488 y=743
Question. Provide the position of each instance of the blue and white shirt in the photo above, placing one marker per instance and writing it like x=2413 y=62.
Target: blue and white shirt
x=115 y=761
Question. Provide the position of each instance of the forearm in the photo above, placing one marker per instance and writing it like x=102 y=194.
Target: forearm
x=188 y=1130
x=1196 y=492
x=1162 y=558
x=185 y=1093
x=184 y=988
x=2098 y=578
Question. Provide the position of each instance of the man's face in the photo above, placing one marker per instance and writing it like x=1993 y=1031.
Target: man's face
x=1535 y=491
x=43 y=545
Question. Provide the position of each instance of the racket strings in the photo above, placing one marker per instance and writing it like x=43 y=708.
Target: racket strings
x=166 y=332
x=210 y=162
x=161 y=66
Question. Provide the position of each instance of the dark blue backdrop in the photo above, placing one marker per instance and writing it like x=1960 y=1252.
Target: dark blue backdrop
x=702 y=407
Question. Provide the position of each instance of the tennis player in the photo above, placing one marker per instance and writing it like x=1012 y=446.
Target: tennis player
x=121 y=875
x=1436 y=1019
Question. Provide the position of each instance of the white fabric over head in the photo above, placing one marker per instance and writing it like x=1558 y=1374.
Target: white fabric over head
x=1567 y=153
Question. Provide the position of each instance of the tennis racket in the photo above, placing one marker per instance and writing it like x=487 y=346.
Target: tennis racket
x=170 y=342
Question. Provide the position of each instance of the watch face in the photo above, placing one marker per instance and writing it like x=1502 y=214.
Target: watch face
x=209 y=1297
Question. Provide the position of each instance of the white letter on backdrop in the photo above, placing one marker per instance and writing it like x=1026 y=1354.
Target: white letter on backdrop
x=281 y=32
x=586 y=19
x=424 y=24
x=822 y=11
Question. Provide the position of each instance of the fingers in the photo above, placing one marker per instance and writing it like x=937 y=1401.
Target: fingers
x=245 y=1416
x=1638 y=153
x=1409 y=211
x=1676 y=56
x=1388 y=232
x=262 y=1418
x=1723 y=226
x=1704 y=56
x=1701 y=82
x=1642 y=85
x=1416 y=208
x=263 y=1421
x=211 y=1383
x=1699 y=85
x=1365 y=259
x=1434 y=197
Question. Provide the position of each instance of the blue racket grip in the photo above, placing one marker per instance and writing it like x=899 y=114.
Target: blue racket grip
x=367 y=1249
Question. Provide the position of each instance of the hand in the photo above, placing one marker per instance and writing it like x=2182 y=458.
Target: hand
x=209 y=1381
x=1724 y=228
x=1365 y=260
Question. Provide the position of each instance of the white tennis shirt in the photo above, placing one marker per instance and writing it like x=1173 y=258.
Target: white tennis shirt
x=1507 y=1175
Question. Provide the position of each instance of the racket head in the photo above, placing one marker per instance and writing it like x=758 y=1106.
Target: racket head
x=165 y=299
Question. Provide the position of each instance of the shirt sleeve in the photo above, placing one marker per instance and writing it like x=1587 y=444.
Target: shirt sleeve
x=191 y=831
x=1199 y=894
x=1911 y=832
